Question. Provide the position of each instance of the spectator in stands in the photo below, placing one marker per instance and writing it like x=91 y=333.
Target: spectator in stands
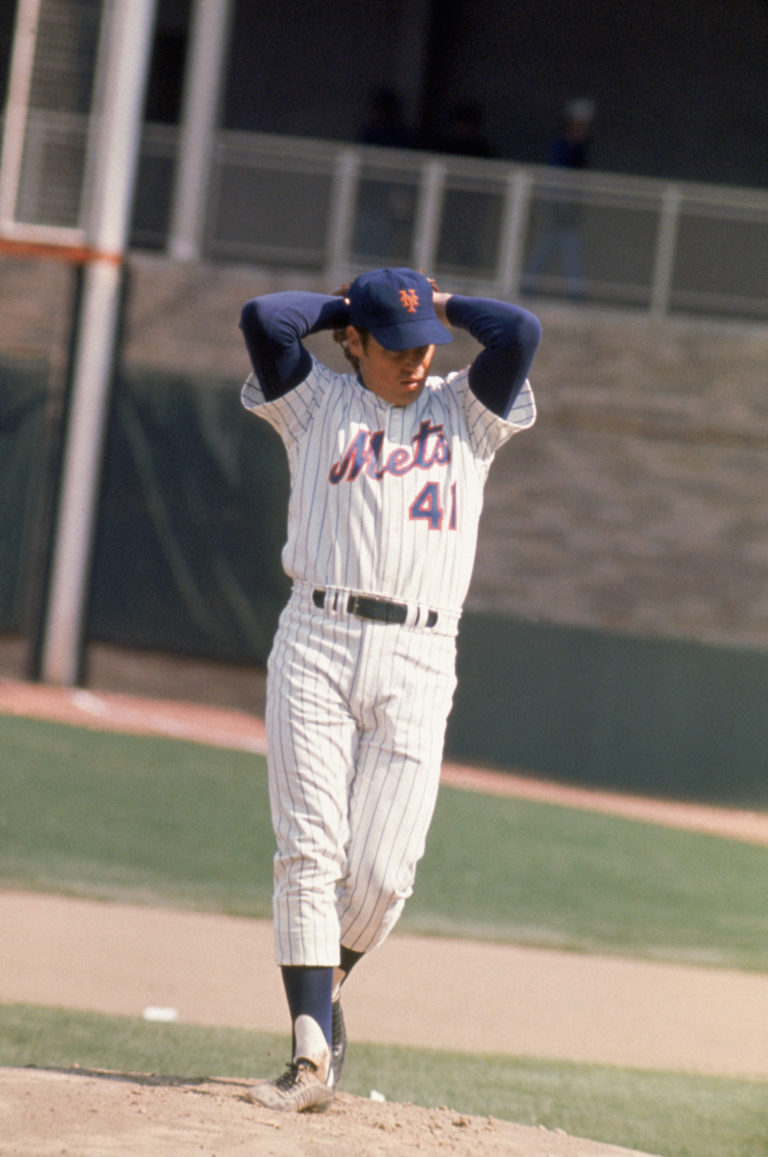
x=561 y=231
x=385 y=123
x=465 y=135
x=385 y=208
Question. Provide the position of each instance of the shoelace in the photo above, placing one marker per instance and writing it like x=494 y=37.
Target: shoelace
x=291 y=1075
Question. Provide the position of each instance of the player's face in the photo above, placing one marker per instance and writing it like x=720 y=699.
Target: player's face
x=397 y=376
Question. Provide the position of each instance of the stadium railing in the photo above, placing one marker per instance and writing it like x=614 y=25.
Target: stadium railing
x=484 y=225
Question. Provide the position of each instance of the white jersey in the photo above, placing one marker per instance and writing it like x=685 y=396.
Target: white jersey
x=386 y=500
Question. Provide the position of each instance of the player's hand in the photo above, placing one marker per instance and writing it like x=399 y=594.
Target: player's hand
x=440 y=300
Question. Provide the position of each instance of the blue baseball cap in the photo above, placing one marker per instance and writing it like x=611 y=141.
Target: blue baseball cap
x=395 y=305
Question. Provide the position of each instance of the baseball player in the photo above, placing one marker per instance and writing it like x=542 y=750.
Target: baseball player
x=387 y=468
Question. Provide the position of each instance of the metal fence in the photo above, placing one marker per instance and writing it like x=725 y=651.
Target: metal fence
x=491 y=226
x=485 y=226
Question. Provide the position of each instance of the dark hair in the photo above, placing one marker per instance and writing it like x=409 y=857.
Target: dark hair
x=340 y=335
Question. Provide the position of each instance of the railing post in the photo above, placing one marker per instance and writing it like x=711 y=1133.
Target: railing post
x=342 y=217
x=666 y=244
x=517 y=200
x=426 y=228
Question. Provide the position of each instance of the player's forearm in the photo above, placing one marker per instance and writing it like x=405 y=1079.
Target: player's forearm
x=510 y=335
x=273 y=327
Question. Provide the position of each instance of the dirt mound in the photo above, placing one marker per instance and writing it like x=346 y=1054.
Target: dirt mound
x=79 y=1112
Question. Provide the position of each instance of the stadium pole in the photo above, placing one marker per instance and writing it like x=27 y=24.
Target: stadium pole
x=209 y=39
x=17 y=109
x=114 y=147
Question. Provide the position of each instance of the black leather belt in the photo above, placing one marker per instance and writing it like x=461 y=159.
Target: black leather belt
x=371 y=607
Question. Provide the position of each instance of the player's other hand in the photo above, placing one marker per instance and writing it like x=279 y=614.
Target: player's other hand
x=440 y=300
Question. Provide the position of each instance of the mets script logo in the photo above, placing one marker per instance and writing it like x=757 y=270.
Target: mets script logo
x=409 y=299
x=364 y=452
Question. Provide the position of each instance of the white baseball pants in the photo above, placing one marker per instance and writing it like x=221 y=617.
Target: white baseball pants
x=356 y=717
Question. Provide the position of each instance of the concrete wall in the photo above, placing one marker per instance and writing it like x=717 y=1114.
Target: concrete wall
x=616 y=631
x=637 y=503
x=651 y=716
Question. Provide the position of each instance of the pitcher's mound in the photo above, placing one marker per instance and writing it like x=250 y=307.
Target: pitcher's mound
x=78 y=1112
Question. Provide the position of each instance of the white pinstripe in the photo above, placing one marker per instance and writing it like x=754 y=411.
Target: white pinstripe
x=354 y=760
x=359 y=535
x=356 y=710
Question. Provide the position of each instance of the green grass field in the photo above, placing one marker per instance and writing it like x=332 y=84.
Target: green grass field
x=663 y=1113
x=122 y=817
x=156 y=820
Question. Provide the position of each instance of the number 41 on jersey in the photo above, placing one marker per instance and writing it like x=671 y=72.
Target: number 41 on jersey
x=428 y=505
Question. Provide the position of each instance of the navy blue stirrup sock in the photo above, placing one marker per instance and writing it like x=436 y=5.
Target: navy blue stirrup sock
x=308 y=990
x=349 y=959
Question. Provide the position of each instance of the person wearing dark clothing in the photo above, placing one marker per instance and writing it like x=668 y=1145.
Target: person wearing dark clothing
x=385 y=124
x=561 y=233
x=465 y=136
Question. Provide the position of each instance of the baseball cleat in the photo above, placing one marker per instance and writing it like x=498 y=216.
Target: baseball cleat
x=306 y=1086
x=300 y=1089
x=338 y=1042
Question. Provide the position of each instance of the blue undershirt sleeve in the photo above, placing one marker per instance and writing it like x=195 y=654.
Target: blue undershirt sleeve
x=273 y=327
x=510 y=335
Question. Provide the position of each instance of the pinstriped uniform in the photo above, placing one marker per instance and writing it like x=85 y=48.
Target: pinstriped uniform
x=385 y=501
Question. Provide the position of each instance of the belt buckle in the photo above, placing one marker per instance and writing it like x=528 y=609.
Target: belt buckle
x=358 y=602
x=372 y=607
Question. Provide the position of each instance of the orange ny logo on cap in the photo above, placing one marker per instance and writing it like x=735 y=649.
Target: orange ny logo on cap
x=409 y=299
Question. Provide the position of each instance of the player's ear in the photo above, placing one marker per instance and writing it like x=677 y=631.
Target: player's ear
x=354 y=342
